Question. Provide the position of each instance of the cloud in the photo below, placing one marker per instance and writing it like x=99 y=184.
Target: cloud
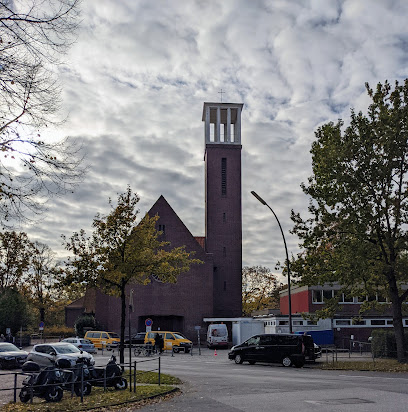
x=135 y=82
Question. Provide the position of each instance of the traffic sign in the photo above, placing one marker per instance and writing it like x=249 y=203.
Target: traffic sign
x=41 y=325
x=148 y=322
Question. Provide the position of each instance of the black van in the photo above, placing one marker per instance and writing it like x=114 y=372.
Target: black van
x=282 y=348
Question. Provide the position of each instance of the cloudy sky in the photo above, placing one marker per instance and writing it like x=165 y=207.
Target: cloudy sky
x=136 y=79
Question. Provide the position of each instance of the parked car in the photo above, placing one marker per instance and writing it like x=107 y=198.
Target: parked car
x=102 y=339
x=282 y=348
x=82 y=344
x=48 y=354
x=11 y=356
x=137 y=339
x=172 y=340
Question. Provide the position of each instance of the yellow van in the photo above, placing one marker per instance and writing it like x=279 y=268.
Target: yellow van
x=172 y=340
x=109 y=340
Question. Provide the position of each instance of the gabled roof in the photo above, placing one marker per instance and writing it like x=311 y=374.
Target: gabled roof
x=179 y=234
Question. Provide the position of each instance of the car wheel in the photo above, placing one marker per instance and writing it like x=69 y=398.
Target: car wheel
x=238 y=359
x=251 y=362
x=24 y=395
x=121 y=384
x=175 y=349
x=286 y=361
x=53 y=394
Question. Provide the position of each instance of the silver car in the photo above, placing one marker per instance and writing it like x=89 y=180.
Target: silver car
x=82 y=344
x=46 y=354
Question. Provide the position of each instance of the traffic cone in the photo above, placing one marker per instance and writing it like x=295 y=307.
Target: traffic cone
x=215 y=352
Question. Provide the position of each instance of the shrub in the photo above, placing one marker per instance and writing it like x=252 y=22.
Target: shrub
x=85 y=321
x=383 y=344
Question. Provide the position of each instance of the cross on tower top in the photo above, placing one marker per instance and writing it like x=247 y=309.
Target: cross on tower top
x=221 y=93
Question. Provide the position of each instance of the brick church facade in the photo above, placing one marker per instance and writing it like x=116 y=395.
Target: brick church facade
x=213 y=288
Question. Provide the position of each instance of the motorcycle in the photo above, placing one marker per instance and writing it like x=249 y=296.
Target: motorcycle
x=43 y=383
x=110 y=376
x=78 y=376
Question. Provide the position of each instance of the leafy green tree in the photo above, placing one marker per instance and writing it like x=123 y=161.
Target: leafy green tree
x=260 y=289
x=122 y=251
x=14 y=259
x=14 y=311
x=357 y=234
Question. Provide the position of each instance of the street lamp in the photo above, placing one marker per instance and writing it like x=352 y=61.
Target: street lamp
x=287 y=257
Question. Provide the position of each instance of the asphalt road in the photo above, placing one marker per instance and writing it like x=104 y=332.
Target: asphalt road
x=213 y=383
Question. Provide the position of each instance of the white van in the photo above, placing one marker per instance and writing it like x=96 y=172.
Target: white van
x=217 y=335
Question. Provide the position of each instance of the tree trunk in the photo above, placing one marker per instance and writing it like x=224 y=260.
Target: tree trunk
x=42 y=314
x=122 y=323
x=397 y=322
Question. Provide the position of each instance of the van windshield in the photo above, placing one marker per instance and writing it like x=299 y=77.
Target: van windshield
x=219 y=332
x=179 y=336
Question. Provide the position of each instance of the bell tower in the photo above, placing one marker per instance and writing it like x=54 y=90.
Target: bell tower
x=223 y=210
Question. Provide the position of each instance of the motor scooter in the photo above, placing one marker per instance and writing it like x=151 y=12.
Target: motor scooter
x=110 y=376
x=77 y=376
x=43 y=383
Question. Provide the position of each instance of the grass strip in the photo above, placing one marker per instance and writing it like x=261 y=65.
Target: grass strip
x=380 y=365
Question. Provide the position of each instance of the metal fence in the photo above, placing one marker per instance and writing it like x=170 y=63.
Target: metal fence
x=16 y=378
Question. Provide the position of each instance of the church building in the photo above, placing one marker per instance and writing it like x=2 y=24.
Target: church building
x=210 y=289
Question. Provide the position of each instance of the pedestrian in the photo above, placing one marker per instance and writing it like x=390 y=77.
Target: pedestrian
x=2 y=338
x=159 y=343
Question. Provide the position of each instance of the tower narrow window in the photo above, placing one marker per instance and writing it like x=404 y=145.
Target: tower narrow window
x=224 y=176
x=224 y=251
x=224 y=217
x=162 y=228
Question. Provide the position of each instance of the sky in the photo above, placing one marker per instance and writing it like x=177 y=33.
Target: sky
x=135 y=81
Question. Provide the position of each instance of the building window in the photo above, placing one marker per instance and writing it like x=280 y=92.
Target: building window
x=297 y=323
x=225 y=285
x=311 y=323
x=283 y=322
x=162 y=228
x=224 y=251
x=327 y=294
x=224 y=217
x=390 y=322
x=377 y=322
x=343 y=322
x=224 y=176
x=317 y=296
x=347 y=299
x=357 y=322
x=381 y=297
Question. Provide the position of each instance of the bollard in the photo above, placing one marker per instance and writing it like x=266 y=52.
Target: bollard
x=15 y=387
x=159 y=370
x=134 y=377
x=130 y=376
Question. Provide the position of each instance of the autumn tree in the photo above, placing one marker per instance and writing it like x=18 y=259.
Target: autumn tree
x=41 y=278
x=121 y=251
x=260 y=289
x=34 y=34
x=357 y=233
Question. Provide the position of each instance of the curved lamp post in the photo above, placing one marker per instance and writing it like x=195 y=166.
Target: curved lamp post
x=287 y=257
